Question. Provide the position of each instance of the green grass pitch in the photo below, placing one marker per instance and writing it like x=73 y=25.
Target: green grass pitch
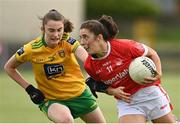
x=16 y=107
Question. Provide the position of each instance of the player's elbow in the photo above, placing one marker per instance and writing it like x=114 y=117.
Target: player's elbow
x=6 y=67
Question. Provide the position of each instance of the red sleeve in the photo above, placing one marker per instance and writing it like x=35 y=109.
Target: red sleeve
x=130 y=48
x=137 y=49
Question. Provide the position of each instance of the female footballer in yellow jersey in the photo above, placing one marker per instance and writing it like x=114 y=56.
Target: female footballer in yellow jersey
x=61 y=92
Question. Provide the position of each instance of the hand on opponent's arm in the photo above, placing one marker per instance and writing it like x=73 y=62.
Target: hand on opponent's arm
x=96 y=86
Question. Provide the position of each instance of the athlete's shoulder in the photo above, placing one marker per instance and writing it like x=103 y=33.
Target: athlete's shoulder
x=123 y=41
x=37 y=43
x=29 y=46
x=68 y=39
x=26 y=49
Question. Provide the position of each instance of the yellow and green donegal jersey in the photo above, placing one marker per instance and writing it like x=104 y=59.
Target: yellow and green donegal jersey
x=57 y=72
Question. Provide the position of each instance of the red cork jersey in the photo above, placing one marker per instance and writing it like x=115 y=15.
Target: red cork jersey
x=112 y=69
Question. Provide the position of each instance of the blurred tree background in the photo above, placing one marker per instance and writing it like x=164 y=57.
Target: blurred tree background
x=122 y=9
x=153 y=22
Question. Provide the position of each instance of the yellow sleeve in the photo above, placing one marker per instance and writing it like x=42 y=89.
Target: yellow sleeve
x=75 y=46
x=23 y=53
x=72 y=43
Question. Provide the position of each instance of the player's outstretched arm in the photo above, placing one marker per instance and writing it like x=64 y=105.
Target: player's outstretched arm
x=96 y=86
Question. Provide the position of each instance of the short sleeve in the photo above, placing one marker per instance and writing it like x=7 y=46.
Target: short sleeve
x=23 y=53
x=138 y=49
x=72 y=44
x=88 y=66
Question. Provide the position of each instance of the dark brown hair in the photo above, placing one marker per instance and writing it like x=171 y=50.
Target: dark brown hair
x=105 y=26
x=56 y=16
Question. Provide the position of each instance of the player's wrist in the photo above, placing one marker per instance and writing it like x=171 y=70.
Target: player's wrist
x=30 y=88
x=35 y=94
x=110 y=91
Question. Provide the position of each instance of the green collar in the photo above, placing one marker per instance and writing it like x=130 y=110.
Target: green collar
x=43 y=41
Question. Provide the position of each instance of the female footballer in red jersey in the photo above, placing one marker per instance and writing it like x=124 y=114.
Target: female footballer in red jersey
x=108 y=62
x=61 y=92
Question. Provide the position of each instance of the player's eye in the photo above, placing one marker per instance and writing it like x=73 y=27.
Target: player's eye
x=51 y=30
x=85 y=37
x=59 y=30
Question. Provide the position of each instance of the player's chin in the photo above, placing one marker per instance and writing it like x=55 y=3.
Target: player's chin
x=54 y=42
x=91 y=52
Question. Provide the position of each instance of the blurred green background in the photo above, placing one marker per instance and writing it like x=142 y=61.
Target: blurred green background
x=153 y=22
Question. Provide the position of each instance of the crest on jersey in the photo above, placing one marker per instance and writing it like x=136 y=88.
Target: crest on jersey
x=119 y=62
x=61 y=53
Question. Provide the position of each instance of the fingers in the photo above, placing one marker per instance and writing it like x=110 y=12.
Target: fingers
x=128 y=100
x=156 y=73
x=94 y=93
x=123 y=95
x=150 y=79
x=121 y=92
x=124 y=98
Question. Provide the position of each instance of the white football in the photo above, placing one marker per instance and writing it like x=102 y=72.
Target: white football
x=141 y=68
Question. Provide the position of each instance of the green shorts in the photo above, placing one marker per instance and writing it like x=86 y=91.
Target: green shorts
x=78 y=106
